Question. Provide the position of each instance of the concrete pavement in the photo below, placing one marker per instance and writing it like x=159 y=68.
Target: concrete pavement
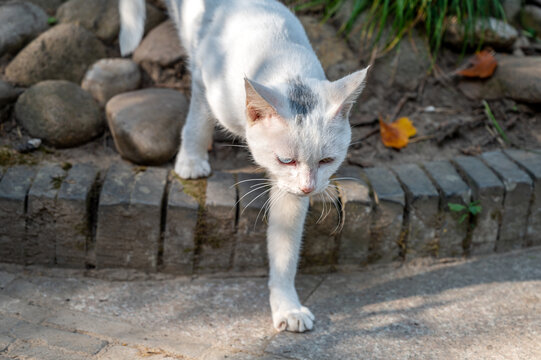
x=480 y=308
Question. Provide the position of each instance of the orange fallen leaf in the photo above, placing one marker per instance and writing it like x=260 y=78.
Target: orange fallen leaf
x=396 y=134
x=483 y=65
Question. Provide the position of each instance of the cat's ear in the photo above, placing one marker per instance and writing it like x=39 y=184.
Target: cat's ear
x=261 y=102
x=344 y=92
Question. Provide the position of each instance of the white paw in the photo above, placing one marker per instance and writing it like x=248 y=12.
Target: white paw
x=192 y=168
x=296 y=320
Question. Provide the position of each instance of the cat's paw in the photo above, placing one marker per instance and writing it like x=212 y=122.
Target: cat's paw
x=192 y=168
x=298 y=319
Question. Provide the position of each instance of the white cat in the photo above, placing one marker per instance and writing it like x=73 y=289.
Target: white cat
x=254 y=71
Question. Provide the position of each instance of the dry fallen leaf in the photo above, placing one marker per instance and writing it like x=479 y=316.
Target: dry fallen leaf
x=483 y=65
x=396 y=134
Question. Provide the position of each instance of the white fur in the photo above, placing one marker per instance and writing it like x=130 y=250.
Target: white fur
x=244 y=55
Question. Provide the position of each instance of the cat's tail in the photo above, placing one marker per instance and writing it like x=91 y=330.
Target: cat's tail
x=132 y=24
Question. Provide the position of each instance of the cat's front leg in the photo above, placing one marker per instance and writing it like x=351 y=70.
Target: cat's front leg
x=284 y=234
x=192 y=159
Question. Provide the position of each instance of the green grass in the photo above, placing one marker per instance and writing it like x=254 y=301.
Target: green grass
x=403 y=15
x=494 y=122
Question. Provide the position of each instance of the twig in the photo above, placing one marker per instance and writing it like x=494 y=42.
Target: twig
x=421 y=138
x=357 y=143
x=401 y=103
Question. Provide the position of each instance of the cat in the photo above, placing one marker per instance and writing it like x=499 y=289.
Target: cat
x=254 y=71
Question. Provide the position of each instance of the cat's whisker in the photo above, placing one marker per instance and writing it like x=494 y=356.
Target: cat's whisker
x=263 y=207
x=247 y=180
x=281 y=193
x=234 y=145
x=269 y=203
x=323 y=208
x=330 y=207
x=254 y=199
x=336 y=202
x=345 y=178
x=266 y=182
x=249 y=192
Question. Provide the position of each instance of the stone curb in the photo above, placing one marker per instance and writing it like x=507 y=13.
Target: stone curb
x=145 y=218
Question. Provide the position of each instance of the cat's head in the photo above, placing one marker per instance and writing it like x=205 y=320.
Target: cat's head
x=300 y=132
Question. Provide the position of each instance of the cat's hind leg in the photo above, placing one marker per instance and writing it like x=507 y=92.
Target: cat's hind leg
x=192 y=159
x=286 y=223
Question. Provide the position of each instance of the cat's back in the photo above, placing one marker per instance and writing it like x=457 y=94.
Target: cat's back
x=244 y=20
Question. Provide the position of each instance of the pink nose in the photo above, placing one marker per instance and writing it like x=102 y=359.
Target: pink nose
x=307 y=190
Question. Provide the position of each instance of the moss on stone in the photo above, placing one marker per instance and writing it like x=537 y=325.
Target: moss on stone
x=195 y=188
x=10 y=157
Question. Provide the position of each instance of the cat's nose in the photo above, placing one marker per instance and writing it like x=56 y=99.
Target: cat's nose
x=307 y=189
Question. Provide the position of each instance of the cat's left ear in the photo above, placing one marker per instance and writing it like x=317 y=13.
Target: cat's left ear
x=344 y=92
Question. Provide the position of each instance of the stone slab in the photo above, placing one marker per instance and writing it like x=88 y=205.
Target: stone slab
x=518 y=192
x=30 y=350
x=129 y=217
x=530 y=161
x=488 y=191
x=63 y=339
x=180 y=230
x=250 y=248
x=14 y=188
x=216 y=247
x=423 y=211
x=73 y=215
x=321 y=230
x=355 y=239
x=386 y=230
x=452 y=189
x=40 y=242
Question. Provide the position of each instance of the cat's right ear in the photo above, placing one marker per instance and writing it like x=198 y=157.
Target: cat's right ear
x=261 y=102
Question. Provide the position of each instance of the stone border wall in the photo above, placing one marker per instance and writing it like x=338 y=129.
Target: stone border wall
x=146 y=218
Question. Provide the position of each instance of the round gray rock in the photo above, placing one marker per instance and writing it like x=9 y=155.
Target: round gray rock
x=101 y=16
x=531 y=17
x=62 y=53
x=494 y=32
x=146 y=124
x=20 y=22
x=109 y=77
x=60 y=113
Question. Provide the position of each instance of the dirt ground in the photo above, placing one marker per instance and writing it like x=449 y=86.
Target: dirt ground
x=448 y=124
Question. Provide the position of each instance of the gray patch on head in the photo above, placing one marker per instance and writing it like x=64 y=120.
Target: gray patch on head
x=302 y=99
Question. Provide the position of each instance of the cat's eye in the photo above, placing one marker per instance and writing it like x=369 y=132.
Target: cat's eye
x=286 y=161
x=326 y=161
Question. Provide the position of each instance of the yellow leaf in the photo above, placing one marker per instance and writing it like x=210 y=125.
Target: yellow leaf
x=396 y=134
x=406 y=126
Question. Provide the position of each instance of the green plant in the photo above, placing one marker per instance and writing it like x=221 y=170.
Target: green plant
x=494 y=122
x=472 y=208
x=406 y=14
x=56 y=181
